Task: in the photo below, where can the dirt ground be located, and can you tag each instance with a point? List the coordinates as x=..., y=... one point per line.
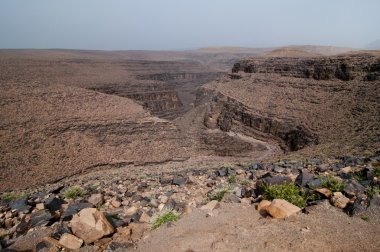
x=235, y=227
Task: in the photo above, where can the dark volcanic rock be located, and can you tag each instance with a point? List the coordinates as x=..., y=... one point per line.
x=256, y=166
x=315, y=183
x=276, y=180
x=353, y=188
x=74, y=208
x=222, y=172
x=40, y=218
x=37, y=219
x=179, y=181
x=20, y=205
x=59, y=230
x=57, y=189
x=304, y=177
x=53, y=203
x=271, y=180
x=117, y=247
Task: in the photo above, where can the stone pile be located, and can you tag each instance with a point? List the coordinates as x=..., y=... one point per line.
x=113, y=214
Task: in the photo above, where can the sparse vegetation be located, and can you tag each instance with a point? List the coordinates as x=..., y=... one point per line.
x=7, y=197
x=232, y=179
x=359, y=176
x=93, y=187
x=365, y=218
x=288, y=192
x=74, y=192
x=332, y=183
x=376, y=171
x=372, y=190
x=142, y=176
x=167, y=217
x=5, y=234
x=218, y=195
x=244, y=182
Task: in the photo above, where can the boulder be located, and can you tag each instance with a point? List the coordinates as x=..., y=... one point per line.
x=40, y=218
x=314, y=183
x=277, y=180
x=73, y=209
x=29, y=241
x=303, y=178
x=90, y=225
x=271, y=180
x=137, y=230
x=179, y=181
x=213, y=204
x=48, y=244
x=346, y=170
x=280, y=209
x=53, y=203
x=20, y=205
x=115, y=203
x=144, y=217
x=60, y=229
x=230, y=198
x=96, y=199
x=40, y=206
x=131, y=211
x=339, y=200
x=222, y=172
x=278, y=169
x=240, y=171
x=324, y=191
x=70, y=241
x=354, y=188
x=262, y=206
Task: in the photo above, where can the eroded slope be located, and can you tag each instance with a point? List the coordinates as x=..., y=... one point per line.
x=330, y=103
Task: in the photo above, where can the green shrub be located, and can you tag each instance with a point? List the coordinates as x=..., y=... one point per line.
x=74, y=192
x=244, y=182
x=7, y=197
x=365, y=218
x=169, y=216
x=218, y=195
x=376, y=171
x=232, y=179
x=360, y=176
x=288, y=192
x=372, y=190
x=332, y=183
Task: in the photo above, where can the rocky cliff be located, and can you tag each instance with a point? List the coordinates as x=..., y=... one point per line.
x=301, y=102
x=360, y=67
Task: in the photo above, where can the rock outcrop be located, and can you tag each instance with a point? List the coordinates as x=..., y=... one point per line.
x=90, y=225
x=346, y=68
x=291, y=136
x=300, y=102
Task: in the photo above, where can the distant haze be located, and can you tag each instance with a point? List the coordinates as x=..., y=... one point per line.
x=186, y=24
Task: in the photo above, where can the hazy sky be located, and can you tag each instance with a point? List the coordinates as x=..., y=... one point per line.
x=186, y=24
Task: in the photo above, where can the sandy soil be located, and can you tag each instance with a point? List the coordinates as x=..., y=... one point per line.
x=241, y=228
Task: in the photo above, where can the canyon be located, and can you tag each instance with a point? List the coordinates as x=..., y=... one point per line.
x=98, y=149
x=67, y=112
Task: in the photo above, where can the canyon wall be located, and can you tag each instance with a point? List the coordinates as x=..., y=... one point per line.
x=320, y=103
x=362, y=67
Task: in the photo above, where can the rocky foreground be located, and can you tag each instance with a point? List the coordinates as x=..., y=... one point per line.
x=113, y=213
